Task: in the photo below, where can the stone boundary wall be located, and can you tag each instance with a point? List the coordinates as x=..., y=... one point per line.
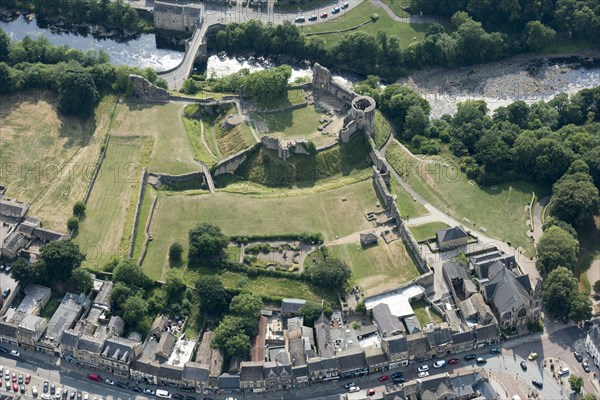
x=172, y=179
x=90, y=187
x=286, y=108
x=303, y=86
x=138, y=209
x=147, y=232
x=352, y=28
x=230, y=164
x=328, y=146
x=376, y=157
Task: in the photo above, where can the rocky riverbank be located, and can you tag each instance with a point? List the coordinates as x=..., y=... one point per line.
x=527, y=77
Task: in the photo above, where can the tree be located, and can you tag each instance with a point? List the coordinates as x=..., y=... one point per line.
x=246, y=305
x=580, y=308
x=556, y=248
x=576, y=383
x=175, y=252
x=206, y=240
x=174, y=286
x=310, y=312
x=212, y=294
x=134, y=310
x=120, y=293
x=538, y=35
x=26, y=273
x=73, y=224
x=417, y=122
x=588, y=396
x=131, y=275
x=597, y=288
x=61, y=257
x=82, y=280
x=230, y=337
x=330, y=273
x=4, y=45
x=558, y=291
x=575, y=198
x=79, y=208
x=77, y=93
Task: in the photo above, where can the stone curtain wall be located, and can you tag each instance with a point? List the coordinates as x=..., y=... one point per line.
x=138, y=209
x=147, y=232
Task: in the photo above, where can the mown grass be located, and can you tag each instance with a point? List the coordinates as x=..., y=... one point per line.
x=383, y=129
x=408, y=207
x=424, y=313
x=379, y=267
x=266, y=168
x=404, y=31
x=144, y=215
x=427, y=231
x=46, y=158
x=499, y=209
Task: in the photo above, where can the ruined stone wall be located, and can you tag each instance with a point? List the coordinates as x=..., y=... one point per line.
x=143, y=89
x=174, y=179
x=231, y=164
x=138, y=209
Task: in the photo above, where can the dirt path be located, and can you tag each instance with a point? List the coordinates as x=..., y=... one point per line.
x=354, y=237
x=204, y=140
x=538, y=217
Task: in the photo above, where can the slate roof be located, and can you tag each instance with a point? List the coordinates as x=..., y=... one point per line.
x=463, y=337
x=439, y=336
x=507, y=293
x=417, y=344
x=171, y=372
x=291, y=306
x=397, y=344
x=14, y=242
x=474, y=308
x=65, y=315
x=229, y=382
x=450, y=234
x=456, y=275
x=365, y=330
x=47, y=235
x=276, y=368
x=486, y=332
x=69, y=339
x=323, y=333
x=375, y=356
x=91, y=343
x=193, y=371
x=251, y=371
x=103, y=296
x=351, y=360
x=166, y=345
x=116, y=325
x=368, y=238
x=7, y=329
x=412, y=324
x=176, y=9
x=387, y=323
x=13, y=209
x=123, y=349
x=300, y=371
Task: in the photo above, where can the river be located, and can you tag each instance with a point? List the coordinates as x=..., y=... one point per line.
x=527, y=77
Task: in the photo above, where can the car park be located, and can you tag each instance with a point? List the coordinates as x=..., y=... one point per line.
x=481, y=360
x=353, y=389
x=423, y=374
x=312, y=18
x=578, y=356
x=469, y=357
x=439, y=364
x=423, y=368
x=532, y=356
x=537, y=383
x=523, y=365
x=495, y=350
x=453, y=361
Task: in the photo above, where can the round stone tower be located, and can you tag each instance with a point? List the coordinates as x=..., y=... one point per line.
x=363, y=112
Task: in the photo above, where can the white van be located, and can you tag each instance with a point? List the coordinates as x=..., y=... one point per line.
x=163, y=394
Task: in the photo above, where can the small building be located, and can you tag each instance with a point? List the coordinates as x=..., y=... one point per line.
x=592, y=344
x=396, y=350
x=368, y=239
x=290, y=307
x=11, y=211
x=323, y=369
x=387, y=324
x=451, y=238
x=117, y=355
x=252, y=377
x=176, y=17
x=376, y=359
x=278, y=376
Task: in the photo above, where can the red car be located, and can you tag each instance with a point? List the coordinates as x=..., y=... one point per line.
x=371, y=392
x=324, y=15
x=15, y=387
x=27, y=379
x=453, y=361
x=14, y=377
x=383, y=378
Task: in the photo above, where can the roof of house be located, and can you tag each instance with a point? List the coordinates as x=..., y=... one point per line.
x=368, y=238
x=172, y=372
x=69, y=338
x=65, y=315
x=366, y=330
x=103, y=296
x=450, y=234
x=291, y=306
x=34, y=295
x=474, y=308
x=276, y=368
x=47, y=234
x=166, y=345
x=14, y=242
x=397, y=344
x=122, y=349
x=507, y=293
x=439, y=336
x=462, y=337
x=8, y=329
x=32, y=323
x=300, y=370
x=412, y=324
x=13, y=209
x=351, y=359
x=486, y=332
x=229, y=382
x=387, y=323
x=251, y=371
x=375, y=355
x=417, y=343
x=323, y=335
x=116, y=325
x=193, y=371
x=176, y=9
x=158, y=325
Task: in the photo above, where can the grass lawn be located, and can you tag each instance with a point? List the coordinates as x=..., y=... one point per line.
x=424, y=313
x=499, y=209
x=383, y=130
x=100, y=233
x=407, y=206
x=377, y=268
x=293, y=124
x=427, y=231
x=404, y=31
x=149, y=196
x=171, y=152
x=396, y=6
x=47, y=159
x=280, y=212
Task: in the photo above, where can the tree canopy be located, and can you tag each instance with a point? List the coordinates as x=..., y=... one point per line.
x=131, y=275
x=575, y=198
x=213, y=297
x=206, y=240
x=576, y=383
x=310, y=312
x=558, y=291
x=557, y=248
x=82, y=280
x=77, y=92
x=230, y=337
x=331, y=273
x=61, y=257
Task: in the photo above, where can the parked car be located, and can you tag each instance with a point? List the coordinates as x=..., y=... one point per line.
x=349, y=385
x=15, y=387
x=78, y=395
x=335, y=10
x=46, y=396
x=3, y=350
x=122, y=385
x=7, y=269
x=45, y=387
x=371, y=392
x=14, y=377
x=178, y=396
x=439, y=364
x=5, y=293
x=27, y=379
x=578, y=356
x=495, y=350
x=423, y=368
x=21, y=379
x=532, y=356
x=324, y=15
x=22, y=388
x=523, y=365
x=7, y=385
x=353, y=389
x=563, y=371
x=537, y=383
x=95, y=377
x=399, y=379
x=423, y=374
x=190, y=398
x=312, y=18
x=149, y=391
x=383, y=378
x=453, y=361
x=52, y=389
x=397, y=375
x=109, y=382
x=72, y=395
x=34, y=391
x=300, y=20
x=481, y=360
x=469, y=357
x=345, y=5
x=7, y=375
x=137, y=389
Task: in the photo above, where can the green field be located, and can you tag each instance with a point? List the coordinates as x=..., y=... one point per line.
x=499, y=209
x=377, y=268
x=427, y=231
x=284, y=211
x=109, y=206
x=47, y=159
x=404, y=31
x=171, y=153
x=407, y=206
x=301, y=123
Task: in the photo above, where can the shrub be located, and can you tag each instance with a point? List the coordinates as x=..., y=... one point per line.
x=79, y=208
x=73, y=224
x=175, y=251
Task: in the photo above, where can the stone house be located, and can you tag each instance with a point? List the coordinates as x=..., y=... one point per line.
x=463, y=341
x=458, y=280
x=451, y=238
x=439, y=341
x=387, y=323
x=367, y=239
x=277, y=376
x=117, y=355
x=252, y=377
x=290, y=307
x=175, y=17
x=376, y=359
x=323, y=369
x=352, y=362
x=418, y=349
x=300, y=375
x=592, y=344
x=396, y=349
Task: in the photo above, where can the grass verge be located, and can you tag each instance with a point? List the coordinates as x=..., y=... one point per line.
x=427, y=231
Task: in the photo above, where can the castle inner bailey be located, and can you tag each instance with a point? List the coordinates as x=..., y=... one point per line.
x=285, y=148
